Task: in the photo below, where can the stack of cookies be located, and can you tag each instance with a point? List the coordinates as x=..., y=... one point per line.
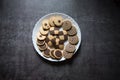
x=57, y=38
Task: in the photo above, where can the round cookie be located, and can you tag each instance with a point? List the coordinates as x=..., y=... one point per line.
x=40, y=42
x=43, y=32
x=46, y=53
x=51, y=54
x=72, y=31
x=67, y=55
x=42, y=47
x=40, y=37
x=51, y=21
x=67, y=25
x=58, y=21
x=73, y=39
x=45, y=24
x=70, y=48
x=58, y=54
x=61, y=46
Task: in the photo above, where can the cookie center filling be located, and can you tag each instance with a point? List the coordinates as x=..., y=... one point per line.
x=45, y=24
x=59, y=21
x=58, y=53
x=47, y=52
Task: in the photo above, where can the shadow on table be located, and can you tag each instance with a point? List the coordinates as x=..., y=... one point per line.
x=69, y=61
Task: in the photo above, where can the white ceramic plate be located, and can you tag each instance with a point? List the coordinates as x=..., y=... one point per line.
x=36, y=30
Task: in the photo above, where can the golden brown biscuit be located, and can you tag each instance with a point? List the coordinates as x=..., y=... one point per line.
x=51, y=54
x=42, y=47
x=43, y=32
x=51, y=21
x=61, y=46
x=58, y=21
x=40, y=42
x=40, y=37
x=45, y=24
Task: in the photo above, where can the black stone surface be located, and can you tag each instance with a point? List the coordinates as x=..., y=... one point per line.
x=97, y=59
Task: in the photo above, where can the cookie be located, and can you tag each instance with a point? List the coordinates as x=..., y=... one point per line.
x=61, y=46
x=63, y=35
x=54, y=31
x=58, y=21
x=73, y=39
x=40, y=37
x=40, y=42
x=72, y=31
x=46, y=53
x=58, y=54
x=51, y=54
x=70, y=48
x=42, y=47
x=48, y=40
x=43, y=32
x=45, y=24
x=66, y=25
x=51, y=21
x=67, y=55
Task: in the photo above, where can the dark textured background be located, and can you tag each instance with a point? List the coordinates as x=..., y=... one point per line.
x=97, y=59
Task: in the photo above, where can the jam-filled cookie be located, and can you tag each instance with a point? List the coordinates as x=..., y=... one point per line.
x=58, y=21
x=46, y=53
x=58, y=54
x=45, y=24
x=51, y=21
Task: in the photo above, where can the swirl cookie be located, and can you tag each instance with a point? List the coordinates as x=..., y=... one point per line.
x=73, y=39
x=70, y=48
x=66, y=25
x=67, y=55
x=72, y=31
